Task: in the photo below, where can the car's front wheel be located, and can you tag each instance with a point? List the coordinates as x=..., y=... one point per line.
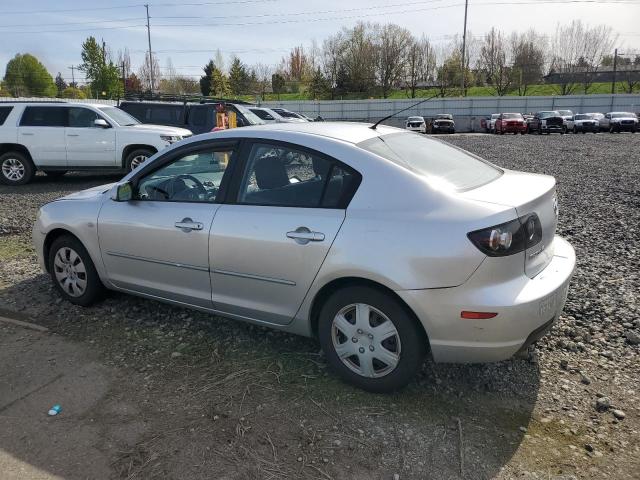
x=16, y=169
x=137, y=158
x=73, y=272
x=370, y=339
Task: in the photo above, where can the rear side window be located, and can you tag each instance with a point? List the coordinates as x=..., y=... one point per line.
x=444, y=165
x=4, y=113
x=165, y=115
x=198, y=116
x=283, y=176
x=44, y=117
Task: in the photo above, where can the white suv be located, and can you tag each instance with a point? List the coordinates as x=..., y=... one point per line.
x=55, y=137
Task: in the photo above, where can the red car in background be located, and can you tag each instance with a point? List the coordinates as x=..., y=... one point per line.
x=511, y=123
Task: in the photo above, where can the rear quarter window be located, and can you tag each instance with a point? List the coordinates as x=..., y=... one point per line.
x=443, y=165
x=4, y=113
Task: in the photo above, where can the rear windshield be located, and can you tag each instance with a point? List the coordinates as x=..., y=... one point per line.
x=4, y=113
x=511, y=115
x=442, y=164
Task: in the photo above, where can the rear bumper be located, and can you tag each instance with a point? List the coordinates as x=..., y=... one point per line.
x=514, y=128
x=526, y=308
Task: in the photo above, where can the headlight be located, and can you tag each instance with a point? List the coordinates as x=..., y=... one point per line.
x=171, y=138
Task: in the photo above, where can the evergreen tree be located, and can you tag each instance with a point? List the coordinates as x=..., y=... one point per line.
x=60, y=84
x=238, y=77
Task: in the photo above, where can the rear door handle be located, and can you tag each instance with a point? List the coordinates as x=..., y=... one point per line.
x=186, y=225
x=73, y=134
x=302, y=236
x=27, y=133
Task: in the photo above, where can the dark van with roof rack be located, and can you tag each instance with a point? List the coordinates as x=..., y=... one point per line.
x=198, y=115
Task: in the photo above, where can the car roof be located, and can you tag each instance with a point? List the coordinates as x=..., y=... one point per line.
x=351, y=132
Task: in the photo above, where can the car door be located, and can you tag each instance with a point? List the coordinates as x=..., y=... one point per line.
x=269, y=242
x=41, y=130
x=89, y=145
x=157, y=243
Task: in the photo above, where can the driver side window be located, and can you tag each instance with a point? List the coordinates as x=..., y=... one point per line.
x=195, y=177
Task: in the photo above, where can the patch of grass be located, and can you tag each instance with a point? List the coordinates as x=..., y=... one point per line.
x=14, y=247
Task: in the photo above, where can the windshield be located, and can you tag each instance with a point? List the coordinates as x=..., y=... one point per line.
x=583, y=116
x=512, y=115
x=444, y=165
x=495, y=116
x=121, y=117
x=286, y=113
x=548, y=114
x=415, y=119
x=565, y=112
x=444, y=116
x=622, y=115
x=252, y=118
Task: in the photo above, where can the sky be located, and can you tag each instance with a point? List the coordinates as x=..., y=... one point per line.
x=189, y=32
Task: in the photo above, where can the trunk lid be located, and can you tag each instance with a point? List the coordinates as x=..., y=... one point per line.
x=528, y=193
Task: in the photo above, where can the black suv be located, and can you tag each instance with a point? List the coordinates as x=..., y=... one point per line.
x=198, y=117
x=546, y=122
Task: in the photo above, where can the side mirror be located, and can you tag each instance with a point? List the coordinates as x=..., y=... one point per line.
x=122, y=192
x=101, y=123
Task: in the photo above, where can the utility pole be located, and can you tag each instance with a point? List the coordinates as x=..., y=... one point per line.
x=615, y=68
x=464, y=47
x=150, y=57
x=73, y=78
x=124, y=80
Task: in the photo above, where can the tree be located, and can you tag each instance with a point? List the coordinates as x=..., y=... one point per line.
x=318, y=86
x=238, y=77
x=133, y=84
x=392, y=44
x=332, y=49
x=26, y=76
x=205, y=80
x=73, y=92
x=263, y=78
x=450, y=75
x=149, y=73
x=277, y=84
x=61, y=85
x=493, y=62
x=420, y=66
x=527, y=51
x=359, y=58
x=102, y=73
x=219, y=85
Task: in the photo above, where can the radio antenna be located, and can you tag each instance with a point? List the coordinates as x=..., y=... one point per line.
x=373, y=127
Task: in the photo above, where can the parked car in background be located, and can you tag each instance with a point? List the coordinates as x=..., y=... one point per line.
x=511, y=123
x=597, y=116
x=416, y=124
x=492, y=122
x=547, y=121
x=616, y=122
x=199, y=117
x=55, y=137
x=484, y=123
x=583, y=122
x=443, y=123
x=284, y=113
x=566, y=116
x=269, y=115
x=314, y=248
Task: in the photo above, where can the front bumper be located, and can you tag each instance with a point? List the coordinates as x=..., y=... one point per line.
x=627, y=127
x=587, y=127
x=523, y=304
x=552, y=128
x=514, y=128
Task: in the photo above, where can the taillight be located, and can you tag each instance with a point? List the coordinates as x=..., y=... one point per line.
x=508, y=238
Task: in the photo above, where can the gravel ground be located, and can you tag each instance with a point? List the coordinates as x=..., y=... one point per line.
x=259, y=404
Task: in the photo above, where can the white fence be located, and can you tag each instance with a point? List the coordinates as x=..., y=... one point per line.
x=467, y=111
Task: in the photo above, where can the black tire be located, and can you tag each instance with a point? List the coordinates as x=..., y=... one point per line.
x=140, y=152
x=412, y=342
x=55, y=173
x=94, y=290
x=575, y=130
x=539, y=130
x=16, y=168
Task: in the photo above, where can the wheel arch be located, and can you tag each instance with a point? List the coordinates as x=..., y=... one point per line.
x=135, y=146
x=323, y=294
x=15, y=147
x=50, y=238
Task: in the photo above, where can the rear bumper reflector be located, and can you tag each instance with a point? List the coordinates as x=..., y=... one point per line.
x=477, y=315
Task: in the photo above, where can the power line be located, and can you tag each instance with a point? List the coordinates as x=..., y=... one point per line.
x=71, y=23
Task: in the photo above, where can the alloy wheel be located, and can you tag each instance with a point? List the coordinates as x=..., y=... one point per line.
x=70, y=271
x=366, y=340
x=13, y=169
x=137, y=161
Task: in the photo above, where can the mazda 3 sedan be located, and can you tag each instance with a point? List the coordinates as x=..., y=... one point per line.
x=382, y=243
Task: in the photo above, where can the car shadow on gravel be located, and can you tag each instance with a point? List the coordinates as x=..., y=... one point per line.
x=182, y=394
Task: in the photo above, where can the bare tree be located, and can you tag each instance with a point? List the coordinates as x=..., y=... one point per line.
x=392, y=45
x=598, y=41
x=359, y=58
x=124, y=59
x=420, y=65
x=493, y=62
x=332, y=49
x=144, y=73
x=219, y=61
x=527, y=52
x=263, y=77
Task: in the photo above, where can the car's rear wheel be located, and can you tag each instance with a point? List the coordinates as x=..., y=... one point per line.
x=137, y=158
x=370, y=340
x=16, y=169
x=73, y=272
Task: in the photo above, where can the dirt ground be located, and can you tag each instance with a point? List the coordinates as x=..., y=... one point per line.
x=154, y=391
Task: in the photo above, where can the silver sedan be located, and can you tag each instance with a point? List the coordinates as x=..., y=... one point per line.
x=383, y=244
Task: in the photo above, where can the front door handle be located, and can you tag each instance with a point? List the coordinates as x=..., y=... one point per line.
x=73, y=134
x=186, y=225
x=302, y=236
x=27, y=133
